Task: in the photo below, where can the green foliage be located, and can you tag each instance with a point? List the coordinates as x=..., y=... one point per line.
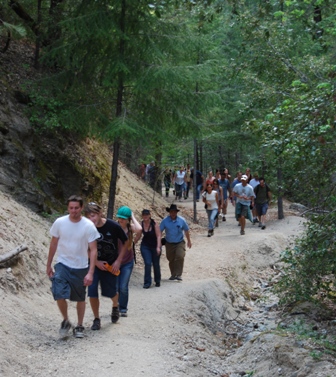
x=325, y=343
x=16, y=30
x=45, y=112
x=311, y=263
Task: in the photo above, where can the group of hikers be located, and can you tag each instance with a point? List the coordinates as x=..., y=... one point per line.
x=249, y=194
x=93, y=251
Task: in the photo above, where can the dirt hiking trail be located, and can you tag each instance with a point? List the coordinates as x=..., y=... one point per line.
x=220, y=321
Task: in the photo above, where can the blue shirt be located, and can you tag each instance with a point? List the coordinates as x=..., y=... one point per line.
x=174, y=228
x=225, y=185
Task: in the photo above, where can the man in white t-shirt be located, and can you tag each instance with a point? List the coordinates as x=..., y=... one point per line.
x=74, y=238
x=245, y=196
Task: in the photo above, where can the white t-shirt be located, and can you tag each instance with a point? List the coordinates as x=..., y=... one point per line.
x=211, y=198
x=179, y=179
x=73, y=240
x=254, y=183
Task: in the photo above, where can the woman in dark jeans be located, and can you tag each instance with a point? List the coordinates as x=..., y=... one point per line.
x=150, y=249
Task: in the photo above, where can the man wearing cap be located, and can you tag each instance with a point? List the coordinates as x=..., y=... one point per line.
x=174, y=226
x=244, y=194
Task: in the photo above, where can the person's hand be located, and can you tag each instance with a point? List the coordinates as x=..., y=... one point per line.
x=101, y=265
x=116, y=267
x=50, y=271
x=189, y=244
x=88, y=279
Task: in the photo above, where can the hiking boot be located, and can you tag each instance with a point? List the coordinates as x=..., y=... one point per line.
x=179, y=278
x=242, y=232
x=172, y=278
x=115, y=314
x=146, y=286
x=78, y=331
x=263, y=226
x=158, y=284
x=96, y=324
x=223, y=218
x=65, y=327
x=209, y=233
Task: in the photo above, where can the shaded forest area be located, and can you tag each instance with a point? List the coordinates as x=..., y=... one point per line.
x=211, y=83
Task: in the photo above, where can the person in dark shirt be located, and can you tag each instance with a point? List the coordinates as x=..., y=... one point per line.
x=199, y=182
x=108, y=262
x=262, y=196
x=150, y=248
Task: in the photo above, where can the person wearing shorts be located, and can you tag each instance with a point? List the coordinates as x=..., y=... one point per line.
x=74, y=240
x=109, y=258
x=245, y=197
x=263, y=195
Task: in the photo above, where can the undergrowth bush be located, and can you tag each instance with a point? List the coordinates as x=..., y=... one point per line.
x=310, y=264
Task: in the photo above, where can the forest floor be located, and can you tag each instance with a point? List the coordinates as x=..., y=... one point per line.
x=222, y=320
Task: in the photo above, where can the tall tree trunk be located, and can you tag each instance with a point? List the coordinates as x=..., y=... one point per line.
x=280, y=185
x=21, y=12
x=114, y=178
x=197, y=166
x=201, y=156
x=38, y=35
x=56, y=14
x=158, y=168
x=194, y=180
x=119, y=103
x=317, y=20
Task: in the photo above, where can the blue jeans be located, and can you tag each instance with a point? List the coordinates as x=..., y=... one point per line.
x=212, y=213
x=150, y=257
x=178, y=190
x=123, y=281
x=198, y=191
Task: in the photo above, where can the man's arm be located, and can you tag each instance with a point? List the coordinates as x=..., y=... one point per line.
x=187, y=234
x=116, y=264
x=52, y=252
x=158, y=239
x=136, y=226
x=137, y=237
x=93, y=258
x=229, y=189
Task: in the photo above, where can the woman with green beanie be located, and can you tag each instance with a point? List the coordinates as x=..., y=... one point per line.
x=131, y=227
